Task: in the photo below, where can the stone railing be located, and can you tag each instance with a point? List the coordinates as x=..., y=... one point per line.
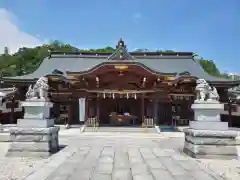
x=92, y=122
x=148, y=122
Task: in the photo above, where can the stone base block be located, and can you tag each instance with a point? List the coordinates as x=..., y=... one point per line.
x=38, y=123
x=4, y=137
x=209, y=156
x=211, y=133
x=211, y=144
x=36, y=109
x=208, y=125
x=211, y=141
x=37, y=142
x=207, y=111
x=28, y=154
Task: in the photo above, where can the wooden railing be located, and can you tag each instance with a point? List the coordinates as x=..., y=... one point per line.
x=92, y=122
x=182, y=122
x=177, y=121
x=148, y=122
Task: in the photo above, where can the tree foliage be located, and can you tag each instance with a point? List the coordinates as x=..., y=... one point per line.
x=210, y=67
x=27, y=60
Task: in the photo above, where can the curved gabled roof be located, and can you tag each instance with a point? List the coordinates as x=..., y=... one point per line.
x=160, y=62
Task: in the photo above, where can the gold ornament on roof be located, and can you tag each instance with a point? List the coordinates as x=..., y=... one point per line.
x=121, y=67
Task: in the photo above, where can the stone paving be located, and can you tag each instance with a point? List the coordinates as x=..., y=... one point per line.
x=118, y=156
x=122, y=157
x=126, y=164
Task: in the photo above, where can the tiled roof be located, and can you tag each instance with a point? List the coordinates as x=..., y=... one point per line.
x=157, y=64
x=169, y=62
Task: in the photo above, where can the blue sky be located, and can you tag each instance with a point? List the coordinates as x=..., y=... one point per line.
x=209, y=27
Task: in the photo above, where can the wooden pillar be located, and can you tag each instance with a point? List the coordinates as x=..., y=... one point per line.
x=54, y=111
x=155, y=112
x=76, y=111
x=98, y=109
x=57, y=110
x=230, y=112
x=1, y=119
x=86, y=109
x=12, y=105
x=12, y=114
x=142, y=108
x=173, y=113
x=70, y=115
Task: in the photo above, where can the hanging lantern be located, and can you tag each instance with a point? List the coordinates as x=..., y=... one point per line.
x=127, y=96
x=113, y=96
x=135, y=96
x=104, y=95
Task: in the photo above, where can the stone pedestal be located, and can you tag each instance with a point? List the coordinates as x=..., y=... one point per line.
x=211, y=144
x=208, y=137
x=35, y=134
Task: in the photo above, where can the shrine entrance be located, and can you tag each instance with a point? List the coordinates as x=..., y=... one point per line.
x=135, y=110
x=120, y=112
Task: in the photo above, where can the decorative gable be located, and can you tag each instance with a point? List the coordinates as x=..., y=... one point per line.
x=121, y=52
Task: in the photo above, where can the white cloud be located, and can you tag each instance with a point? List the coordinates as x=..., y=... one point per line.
x=11, y=36
x=137, y=15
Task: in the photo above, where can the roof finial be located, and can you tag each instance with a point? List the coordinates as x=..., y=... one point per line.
x=120, y=43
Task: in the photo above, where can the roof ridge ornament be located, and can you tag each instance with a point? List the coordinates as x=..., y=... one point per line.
x=120, y=44
x=121, y=52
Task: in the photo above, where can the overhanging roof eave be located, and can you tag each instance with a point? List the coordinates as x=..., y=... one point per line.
x=121, y=63
x=17, y=80
x=226, y=82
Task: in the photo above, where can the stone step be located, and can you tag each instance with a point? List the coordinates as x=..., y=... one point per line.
x=90, y=129
x=168, y=129
x=121, y=129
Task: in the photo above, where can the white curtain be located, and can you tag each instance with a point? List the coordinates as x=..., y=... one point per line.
x=81, y=109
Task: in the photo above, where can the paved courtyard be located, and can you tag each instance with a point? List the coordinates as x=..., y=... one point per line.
x=122, y=156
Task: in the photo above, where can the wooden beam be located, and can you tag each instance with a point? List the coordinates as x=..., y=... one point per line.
x=180, y=94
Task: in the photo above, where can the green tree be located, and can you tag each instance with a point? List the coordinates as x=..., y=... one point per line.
x=210, y=67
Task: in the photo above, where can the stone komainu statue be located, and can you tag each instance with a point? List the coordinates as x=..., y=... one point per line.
x=39, y=90
x=206, y=92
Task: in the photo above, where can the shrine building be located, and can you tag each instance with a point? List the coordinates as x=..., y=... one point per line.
x=119, y=88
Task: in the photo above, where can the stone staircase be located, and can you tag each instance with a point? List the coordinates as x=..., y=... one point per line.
x=4, y=132
x=121, y=129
